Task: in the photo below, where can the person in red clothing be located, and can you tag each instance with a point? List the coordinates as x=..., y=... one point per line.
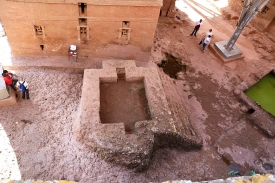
x=9, y=80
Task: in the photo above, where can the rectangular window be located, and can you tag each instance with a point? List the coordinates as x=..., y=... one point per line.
x=124, y=31
x=39, y=30
x=126, y=24
x=83, y=32
x=82, y=9
x=82, y=21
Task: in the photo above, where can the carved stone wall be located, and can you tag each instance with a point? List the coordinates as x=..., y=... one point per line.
x=168, y=8
x=49, y=27
x=110, y=141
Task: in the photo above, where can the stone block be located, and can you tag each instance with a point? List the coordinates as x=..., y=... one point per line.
x=221, y=57
x=10, y=100
x=171, y=14
x=110, y=141
x=163, y=13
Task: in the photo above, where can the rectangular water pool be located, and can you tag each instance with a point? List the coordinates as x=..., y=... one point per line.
x=263, y=93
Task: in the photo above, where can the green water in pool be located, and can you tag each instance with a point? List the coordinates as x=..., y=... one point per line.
x=263, y=93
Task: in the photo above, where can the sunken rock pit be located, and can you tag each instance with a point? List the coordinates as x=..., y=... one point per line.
x=110, y=141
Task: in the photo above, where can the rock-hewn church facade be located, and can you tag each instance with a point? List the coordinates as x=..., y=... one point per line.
x=49, y=27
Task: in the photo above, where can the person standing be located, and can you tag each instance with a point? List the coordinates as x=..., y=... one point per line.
x=24, y=88
x=207, y=34
x=197, y=27
x=9, y=79
x=206, y=41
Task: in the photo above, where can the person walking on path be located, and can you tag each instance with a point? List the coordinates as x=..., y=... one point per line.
x=24, y=88
x=197, y=27
x=206, y=41
x=207, y=34
x=9, y=79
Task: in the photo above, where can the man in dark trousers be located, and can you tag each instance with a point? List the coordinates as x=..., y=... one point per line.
x=206, y=42
x=197, y=27
x=24, y=88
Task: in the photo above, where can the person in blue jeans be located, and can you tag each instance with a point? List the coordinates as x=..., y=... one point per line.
x=206, y=41
x=24, y=88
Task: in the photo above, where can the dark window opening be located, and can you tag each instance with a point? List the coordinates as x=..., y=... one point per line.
x=126, y=24
x=82, y=21
x=83, y=30
x=82, y=8
x=42, y=47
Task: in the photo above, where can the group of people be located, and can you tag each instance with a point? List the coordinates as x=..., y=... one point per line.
x=206, y=39
x=16, y=84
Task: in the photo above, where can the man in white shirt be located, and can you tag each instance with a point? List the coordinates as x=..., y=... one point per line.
x=197, y=27
x=206, y=42
x=206, y=35
x=24, y=88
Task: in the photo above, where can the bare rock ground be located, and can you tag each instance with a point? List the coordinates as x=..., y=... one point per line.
x=46, y=149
